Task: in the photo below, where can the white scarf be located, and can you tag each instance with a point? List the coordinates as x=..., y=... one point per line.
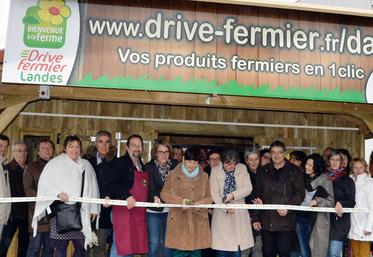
x=62, y=174
x=4, y=192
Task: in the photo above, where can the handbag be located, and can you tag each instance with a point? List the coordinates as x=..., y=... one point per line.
x=68, y=215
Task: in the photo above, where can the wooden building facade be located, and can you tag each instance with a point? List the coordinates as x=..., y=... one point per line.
x=221, y=112
x=203, y=117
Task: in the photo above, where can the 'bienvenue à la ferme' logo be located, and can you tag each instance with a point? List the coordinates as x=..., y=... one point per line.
x=45, y=24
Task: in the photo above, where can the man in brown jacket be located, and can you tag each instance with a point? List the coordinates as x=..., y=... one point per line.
x=45, y=148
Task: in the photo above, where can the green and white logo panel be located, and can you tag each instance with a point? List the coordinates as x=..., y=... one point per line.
x=42, y=41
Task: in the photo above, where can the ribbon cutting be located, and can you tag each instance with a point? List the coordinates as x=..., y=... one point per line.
x=166, y=205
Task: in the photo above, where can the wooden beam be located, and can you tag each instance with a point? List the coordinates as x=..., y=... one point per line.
x=8, y=115
x=204, y=129
x=187, y=99
x=366, y=118
x=10, y=100
x=363, y=128
x=361, y=111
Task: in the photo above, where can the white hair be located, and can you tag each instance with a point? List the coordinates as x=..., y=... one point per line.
x=20, y=142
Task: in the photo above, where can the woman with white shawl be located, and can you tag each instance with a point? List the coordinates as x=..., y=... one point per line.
x=62, y=177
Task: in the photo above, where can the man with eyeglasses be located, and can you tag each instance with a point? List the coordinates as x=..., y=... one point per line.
x=213, y=160
x=101, y=157
x=129, y=182
x=18, y=218
x=279, y=182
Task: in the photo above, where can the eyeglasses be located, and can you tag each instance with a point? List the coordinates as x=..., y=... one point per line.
x=135, y=146
x=20, y=151
x=334, y=160
x=163, y=152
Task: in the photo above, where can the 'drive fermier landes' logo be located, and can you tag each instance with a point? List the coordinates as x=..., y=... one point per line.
x=35, y=65
x=44, y=27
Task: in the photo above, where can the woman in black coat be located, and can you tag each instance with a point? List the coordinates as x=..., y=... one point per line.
x=344, y=196
x=158, y=169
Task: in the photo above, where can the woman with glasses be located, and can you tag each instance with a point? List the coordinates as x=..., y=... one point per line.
x=231, y=228
x=158, y=169
x=188, y=229
x=344, y=196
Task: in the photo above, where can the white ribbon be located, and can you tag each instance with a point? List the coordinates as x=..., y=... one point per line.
x=167, y=205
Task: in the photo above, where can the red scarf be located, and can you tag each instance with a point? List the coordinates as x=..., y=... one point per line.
x=335, y=174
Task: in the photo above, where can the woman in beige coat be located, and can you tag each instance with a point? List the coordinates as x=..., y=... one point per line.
x=188, y=229
x=231, y=229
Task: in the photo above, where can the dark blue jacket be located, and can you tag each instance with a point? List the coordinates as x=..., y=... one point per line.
x=155, y=181
x=103, y=171
x=344, y=192
x=18, y=210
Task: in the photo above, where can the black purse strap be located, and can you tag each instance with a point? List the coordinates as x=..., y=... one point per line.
x=83, y=177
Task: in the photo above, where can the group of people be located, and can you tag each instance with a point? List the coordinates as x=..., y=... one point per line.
x=190, y=177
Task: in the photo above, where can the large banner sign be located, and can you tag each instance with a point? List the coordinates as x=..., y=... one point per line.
x=184, y=46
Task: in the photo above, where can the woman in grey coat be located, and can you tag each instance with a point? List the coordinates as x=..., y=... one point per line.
x=323, y=197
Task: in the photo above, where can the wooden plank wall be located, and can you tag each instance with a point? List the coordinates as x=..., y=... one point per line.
x=149, y=130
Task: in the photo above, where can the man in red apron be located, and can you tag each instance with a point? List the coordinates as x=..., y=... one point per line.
x=129, y=182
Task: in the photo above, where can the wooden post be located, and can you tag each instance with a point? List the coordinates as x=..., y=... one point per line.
x=362, y=144
x=8, y=115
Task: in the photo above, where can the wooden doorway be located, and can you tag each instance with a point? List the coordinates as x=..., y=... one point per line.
x=209, y=142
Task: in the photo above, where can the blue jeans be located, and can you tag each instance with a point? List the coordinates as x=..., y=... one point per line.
x=157, y=224
x=303, y=229
x=41, y=242
x=228, y=254
x=335, y=248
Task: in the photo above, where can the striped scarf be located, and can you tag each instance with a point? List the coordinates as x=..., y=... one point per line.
x=335, y=174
